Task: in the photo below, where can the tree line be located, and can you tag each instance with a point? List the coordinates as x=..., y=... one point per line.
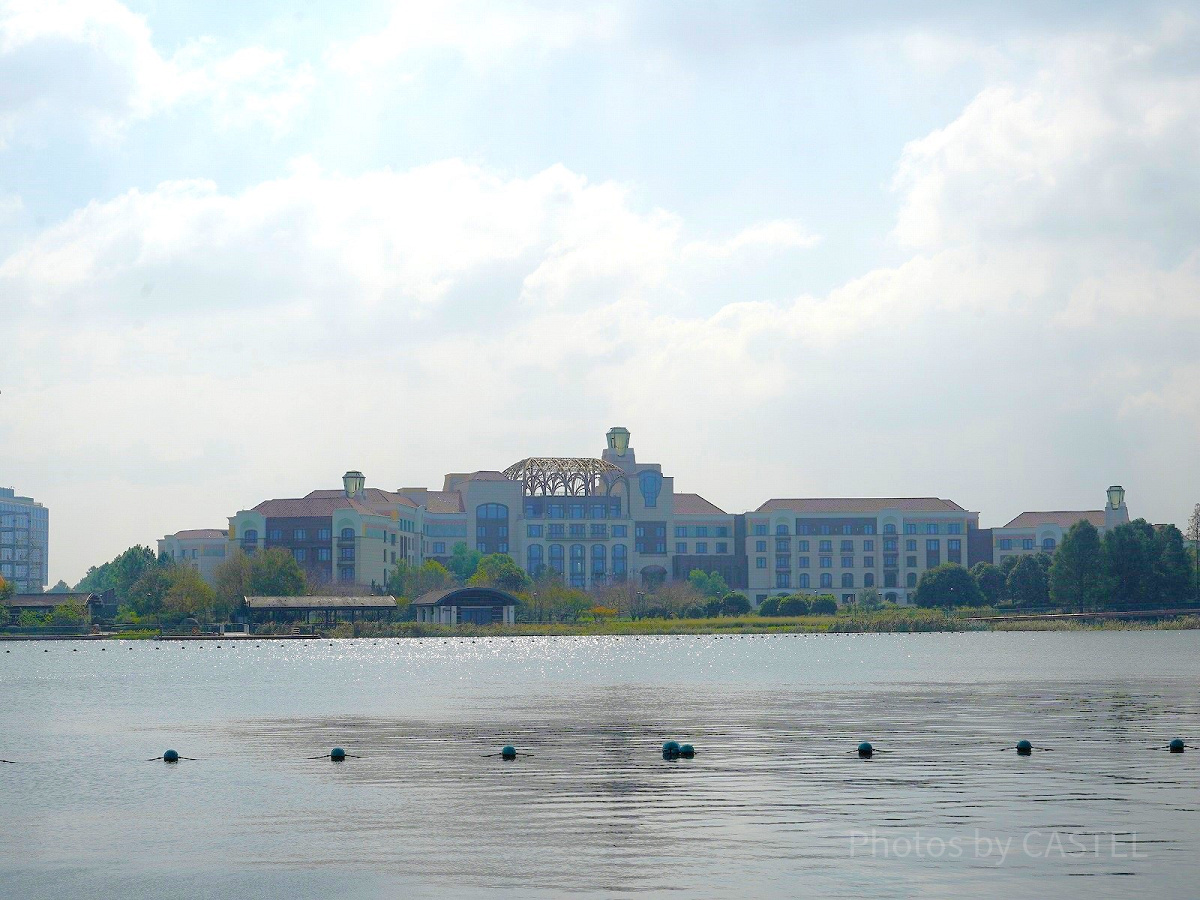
x=1135, y=565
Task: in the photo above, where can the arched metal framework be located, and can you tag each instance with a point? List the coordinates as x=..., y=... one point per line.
x=553, y=476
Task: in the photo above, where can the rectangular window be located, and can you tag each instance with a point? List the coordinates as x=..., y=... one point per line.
x=346, y=553
x=824, y=529
x=910, y=561
x=933, y=544
x=954, y=544
x=826, y=547
x=275, y=534
x=802, y=546
x=868, y=562
x=680, y=547
x=804, y=562
x=760, y=562
x=1027, y=543
x=481, y=547
x=1005, y=543
x=439, y=548
x=577, y=531
x=890, y=560
x=826, y=562
x=847, y=546
x=324, y=534
x=869, y=528
x=346, y=573
x=323, y=554
x=846, y=529
x=802, y=529
x=782, y=545
x=760, y=527
x=555, y=511
x=890, y=544
x=701, y=531
x=620, y=531
x=300, y=554
x=680, y=531
x=701, y=546
x=300, y=535
x=481, y=531
x=760, y=546
x=847, y=562
x=575, y=510
x=910, y=528
x=783, y=562
x=598, y=530
x=783, y=579
x=954, y=528
x=910, y=546
x=722, y=531
x=722, y=547
x=533, y=530
x=558, y=530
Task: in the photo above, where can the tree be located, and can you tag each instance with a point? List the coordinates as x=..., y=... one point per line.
x=119, y=574
x=463, y=561
x=735, y=604
x=188, y=595
x=709, y=584
x=869, y=598
x=990, y=580
x=6, y=592
x=1077, y=573
x=1007, y=564
x=499, y=571
x=70, y=613
x=948, y=585
x=147, y=595
x=60, y=588
x=411, y=582
x=794, y=605
x=1193, y=536
x=823, y=605
x=275, y=573
x=769, y=607
x=1170, y=570
x=231, y=579
x=1028, y=584
x=1129, y=554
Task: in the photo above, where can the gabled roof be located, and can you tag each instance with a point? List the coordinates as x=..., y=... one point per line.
x=695, y=505
x=196, y=534
x=52, y=599
x=860, y=505
x=372, y=602
x=1062, y=518
x=371, y=496
x=311, y=507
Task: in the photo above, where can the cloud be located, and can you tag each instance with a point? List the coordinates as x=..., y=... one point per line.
x=95, y=61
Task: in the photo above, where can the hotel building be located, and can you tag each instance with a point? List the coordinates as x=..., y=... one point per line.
x=24, y=542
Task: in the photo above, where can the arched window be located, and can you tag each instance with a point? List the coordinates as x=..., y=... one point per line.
x=889, y=529
x=1048, y=545
x=869, y=580
x=491, y=511
x=347, y=534
x=847, y=580
x=250, y=535
x=910, y=580
x=598, y=559
x=578, y=555
x=826, y=579
x=556, y=558
x=620, y=560
x=803, y=579
x=781, y=529
x=535, y=561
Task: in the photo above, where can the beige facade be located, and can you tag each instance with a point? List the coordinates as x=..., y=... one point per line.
x=1043, y=531
x=201, y=548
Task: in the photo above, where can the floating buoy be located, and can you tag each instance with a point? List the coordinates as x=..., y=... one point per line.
x=337, y=754
x=170, y=756
x=865, y=750
x=508, y=751
x=670, y=747
x=1176, y=746
x=687, y=751
x=1024, y=748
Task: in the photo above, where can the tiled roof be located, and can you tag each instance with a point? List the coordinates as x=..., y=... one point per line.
x=373, y=601
x=376, y=497
x=311, y=507
x=695, y=505
x=444, y=502
x=194, y=534
x=860, y=505
x=1062, y=518
x=50, y=599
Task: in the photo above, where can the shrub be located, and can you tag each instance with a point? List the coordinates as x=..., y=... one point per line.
x=823, y=606
x=794, y=606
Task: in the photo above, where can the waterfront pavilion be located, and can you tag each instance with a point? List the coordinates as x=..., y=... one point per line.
x=319, y=610
x=472, y=605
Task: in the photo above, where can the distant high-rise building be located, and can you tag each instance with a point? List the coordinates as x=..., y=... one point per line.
x=24, y=541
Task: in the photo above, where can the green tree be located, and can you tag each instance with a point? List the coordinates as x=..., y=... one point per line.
x=231, y=579
x=119, y=574
x=869, y=598
x=275, y=573
x=411, y=582
x=1171, y=569
x=6, y=592
x=709, y=584
x=1028, y=583
x=60, y=588
x=823, y=605
x=146, y=595
x=734, y=604
x=1129, y=555
x=71, y=613
x=499, y=571
x=769, y=607
x=188, y=595
x=794, y=605
x=1193, y=538
x=463, y=561
x=1007, y=564
x=948, y=585
x=1077, y=573
x=990, y=580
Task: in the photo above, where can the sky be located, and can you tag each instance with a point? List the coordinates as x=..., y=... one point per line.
x=817, y=249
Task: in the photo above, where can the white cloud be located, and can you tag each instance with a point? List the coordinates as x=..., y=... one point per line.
x=95, y=60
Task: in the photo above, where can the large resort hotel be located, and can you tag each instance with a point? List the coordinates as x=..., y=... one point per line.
x=606, y=520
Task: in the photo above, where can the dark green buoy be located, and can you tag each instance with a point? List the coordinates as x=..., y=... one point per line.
x=1176, y=745
x=687, y=751
x=865, y=750
x=1024, y=748
x=671, y=747
x=508, y=751
x=337, y=754
x=170, y=756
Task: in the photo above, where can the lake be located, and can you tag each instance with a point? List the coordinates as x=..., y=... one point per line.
x=775, y=803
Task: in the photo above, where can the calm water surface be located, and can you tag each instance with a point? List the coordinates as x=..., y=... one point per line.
x=773, y=805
